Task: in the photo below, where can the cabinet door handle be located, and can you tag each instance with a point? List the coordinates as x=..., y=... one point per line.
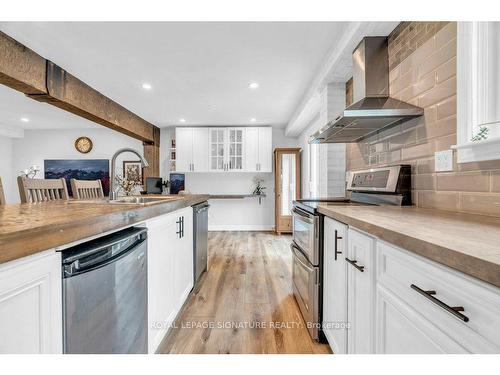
x=453, y=310
x=179, y=231
x=193, y=167
x=337, y=237
x=354, y=263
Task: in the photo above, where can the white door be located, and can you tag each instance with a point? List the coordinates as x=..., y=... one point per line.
x=235, y=152
x=184, y=266
x=161, y=266
x=360, y=292
x=265, y=150
x=217, y=149
x=184, y=149
x=31, y=305
x=252, y=149
x=200, y=150
x=335, y=286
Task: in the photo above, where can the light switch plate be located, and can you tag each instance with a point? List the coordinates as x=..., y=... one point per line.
x=443, y=161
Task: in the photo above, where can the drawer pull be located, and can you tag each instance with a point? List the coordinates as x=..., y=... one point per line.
x=337, y=238
x=354, y=263
x=429, y=294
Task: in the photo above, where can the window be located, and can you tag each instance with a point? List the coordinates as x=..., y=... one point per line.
x=478, y=91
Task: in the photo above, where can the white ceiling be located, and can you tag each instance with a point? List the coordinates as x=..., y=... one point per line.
x=199, y=71
x=15, y=105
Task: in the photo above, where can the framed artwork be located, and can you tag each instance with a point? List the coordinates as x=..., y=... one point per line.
x=132, y=171
x=176, y=183
x=80, y=169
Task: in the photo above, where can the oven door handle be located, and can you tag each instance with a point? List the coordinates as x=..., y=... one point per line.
x=306, y=216
x=298, y=256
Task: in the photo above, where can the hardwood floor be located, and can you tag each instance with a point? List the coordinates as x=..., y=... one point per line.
x=244, y=303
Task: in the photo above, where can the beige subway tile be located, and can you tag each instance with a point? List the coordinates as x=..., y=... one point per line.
x=424, y=182
x=445, y=142
x=485, y=204
x=439, y=128
x=418, y=151
x=438, y=58
x=495, y=181
x=438, y=200
x=479, y=166
x=394, y=73
x=447, y=108
x=425, y=166
x=438, y=93
x=468, y=181
x=447, y=70
x=446, y=34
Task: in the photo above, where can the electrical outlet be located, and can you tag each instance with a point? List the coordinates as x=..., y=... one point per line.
x=443, y=161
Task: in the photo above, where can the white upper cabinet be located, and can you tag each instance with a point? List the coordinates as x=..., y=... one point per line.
x=224, y=149
x=191, y=149
x=478, y=91
x=258, y=149
x=31, y=305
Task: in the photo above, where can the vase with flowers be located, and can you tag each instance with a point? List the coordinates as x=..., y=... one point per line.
x=126, y=185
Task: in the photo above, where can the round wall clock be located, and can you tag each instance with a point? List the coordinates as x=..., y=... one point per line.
x=83, y=145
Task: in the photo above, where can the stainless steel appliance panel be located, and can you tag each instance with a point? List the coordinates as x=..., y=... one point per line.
x=306, y=234
x=105, y=307
x=306, y=289
x=200, y=239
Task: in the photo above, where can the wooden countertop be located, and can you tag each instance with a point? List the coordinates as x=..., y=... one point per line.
x=468, y=243
x=26, y=229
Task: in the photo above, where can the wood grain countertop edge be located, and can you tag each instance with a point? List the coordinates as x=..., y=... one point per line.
x=468, y=264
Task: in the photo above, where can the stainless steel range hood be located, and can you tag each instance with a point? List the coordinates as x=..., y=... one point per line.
x=373, y=110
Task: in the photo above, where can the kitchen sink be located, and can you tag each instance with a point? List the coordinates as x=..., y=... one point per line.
x=140, y=201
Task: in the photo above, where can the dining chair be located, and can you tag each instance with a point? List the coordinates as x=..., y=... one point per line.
x=34, y=190
x=84, y=189
x=2, y=195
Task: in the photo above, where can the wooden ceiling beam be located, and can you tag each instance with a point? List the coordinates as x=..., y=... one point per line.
x=24, y=70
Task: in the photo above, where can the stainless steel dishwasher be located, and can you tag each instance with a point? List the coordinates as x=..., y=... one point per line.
x=200, y=239
x=105, y=297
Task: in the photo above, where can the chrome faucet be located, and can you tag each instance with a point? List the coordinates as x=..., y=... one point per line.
x=112, y=189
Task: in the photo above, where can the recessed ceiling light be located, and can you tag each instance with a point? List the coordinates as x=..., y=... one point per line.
x=253, y=85
x=253, y=120
x=182, y=120
x=147, y=86
x=25, y=119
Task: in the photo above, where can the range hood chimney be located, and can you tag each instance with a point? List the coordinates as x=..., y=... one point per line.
x=373, y=110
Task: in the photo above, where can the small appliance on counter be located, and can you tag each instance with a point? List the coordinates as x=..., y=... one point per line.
x=381, y=186
x=154, y=185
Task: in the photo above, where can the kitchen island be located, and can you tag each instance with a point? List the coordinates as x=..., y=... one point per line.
x=33, y=237
x=27, y=229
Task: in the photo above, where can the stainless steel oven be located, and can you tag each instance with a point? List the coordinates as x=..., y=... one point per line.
x=306, y=234
x=306, y=288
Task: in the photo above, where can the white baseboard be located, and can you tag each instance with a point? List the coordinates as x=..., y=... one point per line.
x=243, y=227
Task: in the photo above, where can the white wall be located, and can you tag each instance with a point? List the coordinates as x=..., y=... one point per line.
x=232, y=214
x=38, y=145
x=331, y=160
x=6, y=171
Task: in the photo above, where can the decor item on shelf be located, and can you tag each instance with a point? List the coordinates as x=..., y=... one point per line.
x=177, y=181
x=84, y=145
x=481, y=134
x=172, y=155
x=173, y=143
x=132, y=171
x=127, y=186
x=259, y=189
x=79, y=169
x=31, y=172
x=166, y=187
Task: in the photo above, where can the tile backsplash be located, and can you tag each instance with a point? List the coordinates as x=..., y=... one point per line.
x=422, y=57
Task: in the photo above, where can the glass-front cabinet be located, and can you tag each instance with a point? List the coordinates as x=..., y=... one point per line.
x=226, y=149
x=217, y=149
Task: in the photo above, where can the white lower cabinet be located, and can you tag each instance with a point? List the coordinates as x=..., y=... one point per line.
x=170, y=270
x=335, y=286
x=360, y=292
x=399, y=302
x=31, y=305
